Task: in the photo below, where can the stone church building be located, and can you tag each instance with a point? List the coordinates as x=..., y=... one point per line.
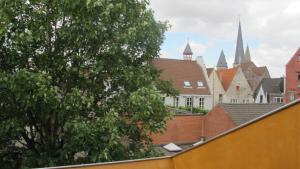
x=242, y=80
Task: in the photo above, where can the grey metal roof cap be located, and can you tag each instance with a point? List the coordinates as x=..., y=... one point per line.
x=222, y=61
x=188, y=50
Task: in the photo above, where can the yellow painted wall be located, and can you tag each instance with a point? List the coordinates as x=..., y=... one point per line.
x=270, y=143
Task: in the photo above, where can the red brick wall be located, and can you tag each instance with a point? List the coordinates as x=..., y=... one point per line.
x=181, y=129
x=216, y=122
x=190, y=128
x=292, y=82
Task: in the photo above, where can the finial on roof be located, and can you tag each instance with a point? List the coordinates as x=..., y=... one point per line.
x=247, y=57
x=222, y=63
x=187, y=53
x=239, y=51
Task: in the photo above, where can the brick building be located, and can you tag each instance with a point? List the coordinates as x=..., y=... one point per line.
x=292, y=90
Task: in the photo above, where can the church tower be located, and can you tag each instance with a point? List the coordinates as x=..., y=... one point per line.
x=187, y=53
x=222, y=63
x=239, y=51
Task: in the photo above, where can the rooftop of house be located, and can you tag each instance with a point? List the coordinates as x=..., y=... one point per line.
x=187, y=76
x=226, y=76
x=272, y=85
x=254, y=74
x=242, y=113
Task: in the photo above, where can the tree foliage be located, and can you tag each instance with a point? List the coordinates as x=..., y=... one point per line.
x=76, y=82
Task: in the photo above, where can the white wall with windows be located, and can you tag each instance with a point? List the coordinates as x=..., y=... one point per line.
x=197, y=101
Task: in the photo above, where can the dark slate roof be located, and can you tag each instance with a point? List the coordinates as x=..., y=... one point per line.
x=187, y=50
x=239, y=51
x=222, y=63
x=272, y=85
x=242, y=113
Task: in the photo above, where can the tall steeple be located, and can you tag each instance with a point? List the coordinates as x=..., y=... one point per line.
x=222, y=63
x=247, y=57
x=187, y=53
x=239, y=51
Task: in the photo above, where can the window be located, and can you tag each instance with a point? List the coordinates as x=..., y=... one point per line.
x=187, y=84
x=237, y=88
x=220, y=98
x=188, y=102
x=292, y=96
x=201, y=102
x=233, y=100
x=261, y=98
x=298, y=76
x=299, y=58
x=200, y=84
x=278, y=99
x=164, y=99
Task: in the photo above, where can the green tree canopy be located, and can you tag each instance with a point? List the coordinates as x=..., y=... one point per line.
x=76, y=81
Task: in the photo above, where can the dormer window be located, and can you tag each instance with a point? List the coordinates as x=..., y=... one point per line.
x=200, y=84
x=187, y=84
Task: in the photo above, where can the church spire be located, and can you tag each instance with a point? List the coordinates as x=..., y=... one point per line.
x=222, y=63
x=247, y=57
x=187, y=53
x=239, y=51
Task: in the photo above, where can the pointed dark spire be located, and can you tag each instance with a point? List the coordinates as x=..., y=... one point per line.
x=239, y=51
x=187, y=53
x=222, y=63
x=187, y=50
x=247, y=57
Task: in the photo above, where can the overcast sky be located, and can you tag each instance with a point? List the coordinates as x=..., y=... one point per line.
x=270, y=27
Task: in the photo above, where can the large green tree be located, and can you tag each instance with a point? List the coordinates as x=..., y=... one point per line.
x=76, y=82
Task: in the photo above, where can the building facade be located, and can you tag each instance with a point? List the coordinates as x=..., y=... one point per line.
x=235, y=85
x=270, y=90
x=189, y=77
x=292, y=89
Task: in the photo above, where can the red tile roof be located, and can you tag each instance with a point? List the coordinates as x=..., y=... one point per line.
x=178, y=71
x=226, y=76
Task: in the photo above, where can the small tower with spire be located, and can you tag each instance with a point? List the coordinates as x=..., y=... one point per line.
x=239, y=51
x=222, y=63
x=187, y=53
